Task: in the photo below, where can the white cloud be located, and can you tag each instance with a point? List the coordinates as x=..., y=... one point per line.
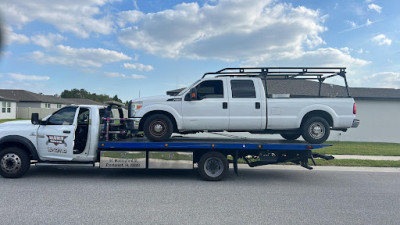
x=355, y=26
x=79, y=17
x=82, y=57
x=115, y=75
x=137, y=76
x=381, y=39
x=47, y=40
x=138, y=66
x=351, y=23
x=375, y=7
x=22, y=77
x=228, y=30
x=11, y=37
x=320, y=57
x=384, y=79
x=369, y=22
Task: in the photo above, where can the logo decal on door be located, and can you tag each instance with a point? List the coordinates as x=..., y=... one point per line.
x=56, y=140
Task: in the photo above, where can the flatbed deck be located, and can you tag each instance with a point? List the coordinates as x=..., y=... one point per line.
x=182, y=143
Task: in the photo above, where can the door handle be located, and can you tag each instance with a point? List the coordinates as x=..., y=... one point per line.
x=258, y=106
x=66, y=132
x=224, y=105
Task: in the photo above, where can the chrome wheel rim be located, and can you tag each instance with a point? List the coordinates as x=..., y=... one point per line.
x=158, y=128
x=213, y=167
x=10, y=163
x=316, y=130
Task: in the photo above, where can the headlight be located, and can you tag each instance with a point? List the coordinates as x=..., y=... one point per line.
x=135, y=106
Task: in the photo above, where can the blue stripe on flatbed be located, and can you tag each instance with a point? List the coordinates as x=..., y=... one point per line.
x=209, y=145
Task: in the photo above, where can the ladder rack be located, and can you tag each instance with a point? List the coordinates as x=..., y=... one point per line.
x=319, y=74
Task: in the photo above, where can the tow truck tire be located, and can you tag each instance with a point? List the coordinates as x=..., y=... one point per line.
x=157, y=127
x=291, y=136
x=14, y=162
x=213, y=166
x=315, y=130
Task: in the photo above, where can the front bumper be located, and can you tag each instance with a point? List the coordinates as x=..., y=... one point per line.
x=355, y=124
x=136, y=122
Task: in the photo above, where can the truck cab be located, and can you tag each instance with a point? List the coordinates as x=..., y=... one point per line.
x=69, y=134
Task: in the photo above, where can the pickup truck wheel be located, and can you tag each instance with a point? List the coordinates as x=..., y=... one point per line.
x=157, y=128
x=213, y=166
x=315, y=130
x=14, y=162
x=290, y=137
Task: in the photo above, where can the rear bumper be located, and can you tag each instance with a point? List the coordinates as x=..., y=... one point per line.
x=355, y=124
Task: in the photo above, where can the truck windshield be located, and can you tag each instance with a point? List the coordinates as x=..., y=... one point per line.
x=184, y=90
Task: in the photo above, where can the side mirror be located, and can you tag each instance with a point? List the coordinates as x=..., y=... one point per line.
x=35, y=118
x=192, y=95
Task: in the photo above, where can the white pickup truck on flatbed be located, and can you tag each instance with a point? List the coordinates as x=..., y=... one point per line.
x=236, y=100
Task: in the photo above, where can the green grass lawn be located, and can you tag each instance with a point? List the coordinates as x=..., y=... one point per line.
x=361, y=148
x=356, y=163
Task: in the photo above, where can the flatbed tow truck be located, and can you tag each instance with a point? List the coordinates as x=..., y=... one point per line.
x=94, y=136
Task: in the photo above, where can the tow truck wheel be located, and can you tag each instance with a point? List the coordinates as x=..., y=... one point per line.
x=213, y=166
x=315, y=130
x=290, y=136
x=157, y=127
x=14, y=162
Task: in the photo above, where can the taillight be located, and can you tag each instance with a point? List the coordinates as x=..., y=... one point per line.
x=354, y=108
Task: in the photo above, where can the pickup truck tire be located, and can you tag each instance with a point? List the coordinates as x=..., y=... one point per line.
x=213, y=166
x=14, y=162
x=291, y=137
x=315, y=130
x=157, y=127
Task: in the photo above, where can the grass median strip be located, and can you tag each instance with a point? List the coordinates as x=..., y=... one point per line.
x=361, y=148
x=356, y=163
x=345, y=162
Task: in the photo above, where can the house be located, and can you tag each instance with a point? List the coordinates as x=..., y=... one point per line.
x=26, y=102
x=8, y=108
x=377, y=108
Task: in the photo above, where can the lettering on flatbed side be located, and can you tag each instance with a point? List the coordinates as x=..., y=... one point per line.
x=123, y=163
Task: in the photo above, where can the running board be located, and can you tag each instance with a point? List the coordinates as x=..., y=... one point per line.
x=65, y=164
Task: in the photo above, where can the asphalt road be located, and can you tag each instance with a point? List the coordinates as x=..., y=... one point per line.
x=49, y=195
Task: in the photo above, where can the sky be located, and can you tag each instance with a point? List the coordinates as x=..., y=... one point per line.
x=146, y=47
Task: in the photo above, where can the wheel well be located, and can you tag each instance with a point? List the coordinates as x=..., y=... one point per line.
x=319, y=113
x=17, y=145
x=169, y=115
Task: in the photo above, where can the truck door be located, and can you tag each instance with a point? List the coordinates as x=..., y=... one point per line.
x=245, y=105
x=209, y=111
x=56, y=136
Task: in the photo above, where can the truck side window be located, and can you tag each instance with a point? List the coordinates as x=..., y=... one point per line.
x=63, y=116
x=83, y=116
x=210, y=89
x=243, y=89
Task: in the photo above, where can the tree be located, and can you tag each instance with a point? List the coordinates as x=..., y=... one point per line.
x=82, y=93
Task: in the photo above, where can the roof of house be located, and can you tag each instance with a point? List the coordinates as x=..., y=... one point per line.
x=27, y=96
x=6, y=99
x=310, y=88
